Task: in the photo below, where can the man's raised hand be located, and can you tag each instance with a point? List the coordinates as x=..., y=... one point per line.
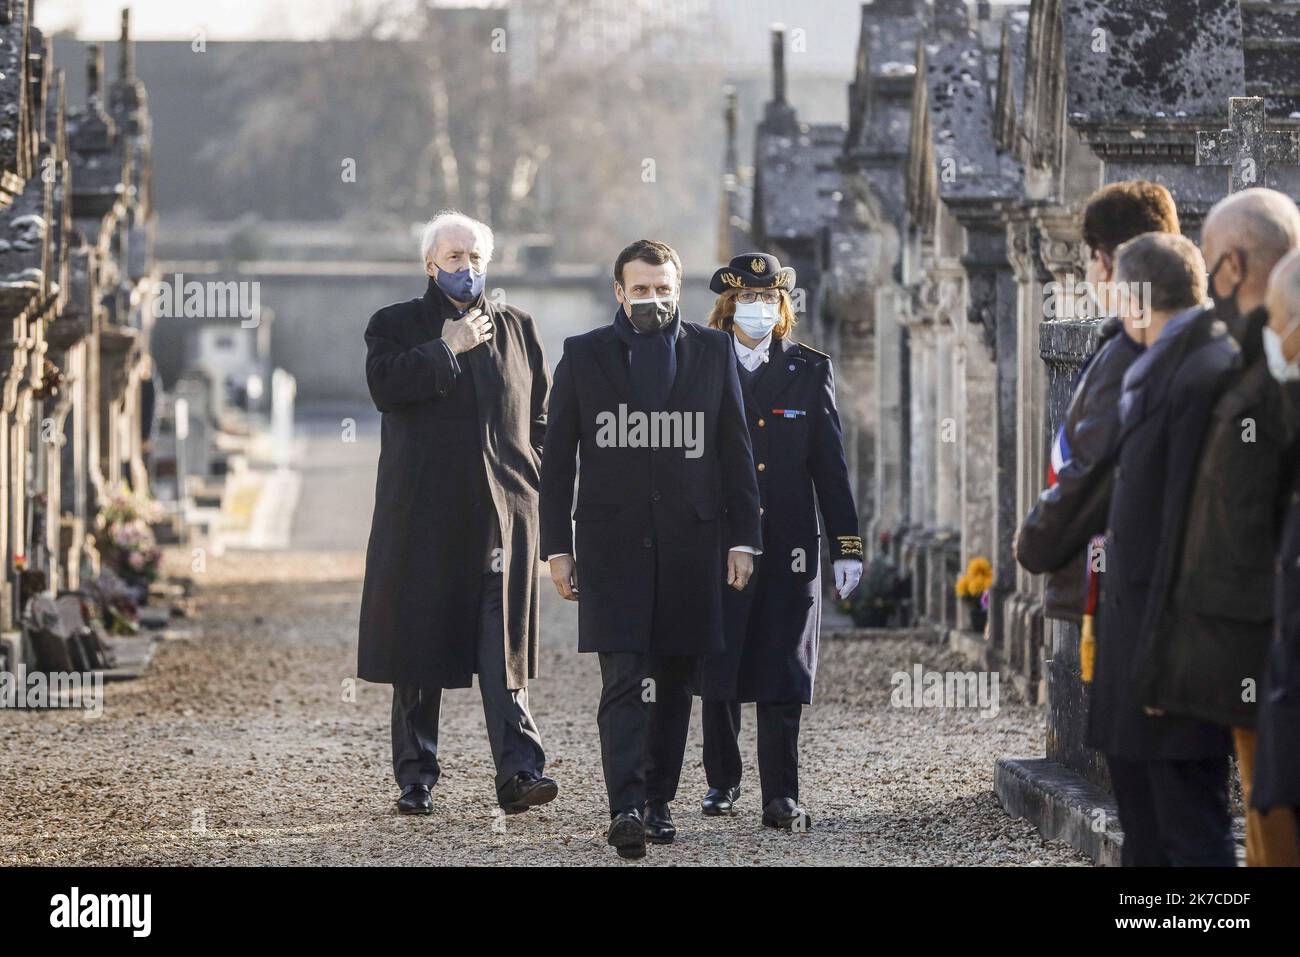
x=463, y=334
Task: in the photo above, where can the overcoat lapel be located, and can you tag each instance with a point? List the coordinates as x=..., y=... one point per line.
x=611, y=358
x=686, y=349
x=488, y=383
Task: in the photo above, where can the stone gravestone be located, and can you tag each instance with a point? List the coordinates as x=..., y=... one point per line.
x=1247, y=147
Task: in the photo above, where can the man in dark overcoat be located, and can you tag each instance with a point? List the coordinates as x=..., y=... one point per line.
x=1170, y=773
x=451, y=568
x=652, y=404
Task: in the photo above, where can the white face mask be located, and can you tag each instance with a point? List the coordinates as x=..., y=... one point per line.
x=1282, y=370
x=757, y=319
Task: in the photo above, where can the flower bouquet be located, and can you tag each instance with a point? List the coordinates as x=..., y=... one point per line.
x=973, y=588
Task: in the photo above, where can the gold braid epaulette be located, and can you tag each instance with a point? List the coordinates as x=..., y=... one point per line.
x=850, y=545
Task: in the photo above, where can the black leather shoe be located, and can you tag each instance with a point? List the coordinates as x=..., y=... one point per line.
x=526, y=789
x=415, y=799
x=720, y=801
x=627, y=834
x=659, y=826
x=786, y=814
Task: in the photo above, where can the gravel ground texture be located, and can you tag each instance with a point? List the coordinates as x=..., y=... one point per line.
x=248, y=742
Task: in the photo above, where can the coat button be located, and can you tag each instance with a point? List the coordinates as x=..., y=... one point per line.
x=655, y=496
x=646, y=543
x=762, y=467
x=761, y=423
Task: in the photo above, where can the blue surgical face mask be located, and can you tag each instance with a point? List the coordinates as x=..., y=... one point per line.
x=1282, y=370
x=757, y=319
x=463, y=286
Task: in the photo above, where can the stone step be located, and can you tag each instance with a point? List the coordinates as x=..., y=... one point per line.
x=1065, y=806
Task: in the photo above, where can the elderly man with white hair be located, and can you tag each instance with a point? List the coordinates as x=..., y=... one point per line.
x=451, y=567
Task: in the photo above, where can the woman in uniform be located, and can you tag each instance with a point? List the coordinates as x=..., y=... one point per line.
x=772, y=626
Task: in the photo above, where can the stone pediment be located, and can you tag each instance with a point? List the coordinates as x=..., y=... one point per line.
x=885, y=67
x=1009, y=101
x=24, y=229
x=968, y=161
x=799, y=179
x=14, y=92
x=954, y=155
x=1132, y=60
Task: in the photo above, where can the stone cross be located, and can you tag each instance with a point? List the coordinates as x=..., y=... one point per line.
x=1246, y=147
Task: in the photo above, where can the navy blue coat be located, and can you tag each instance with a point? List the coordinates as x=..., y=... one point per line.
x=1277, y=750
x=772, y=626
x=651, y=525
x=1165, y=405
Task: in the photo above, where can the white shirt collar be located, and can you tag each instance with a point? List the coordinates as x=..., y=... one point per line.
x=751, y=359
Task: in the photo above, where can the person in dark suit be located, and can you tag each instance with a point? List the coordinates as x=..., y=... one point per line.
x=1055, y=536
x=1276, y=792
x=451, y=567
x=652, y=405
x=1170, y=773
x=772, y=626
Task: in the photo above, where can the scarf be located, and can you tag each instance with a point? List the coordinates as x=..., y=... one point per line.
x=652, y=360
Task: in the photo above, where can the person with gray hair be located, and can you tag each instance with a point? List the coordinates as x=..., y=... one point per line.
x=451, y=567
x=1169, y=772
x=1209, y=644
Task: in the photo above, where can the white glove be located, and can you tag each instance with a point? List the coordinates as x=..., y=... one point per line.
x=848, y=572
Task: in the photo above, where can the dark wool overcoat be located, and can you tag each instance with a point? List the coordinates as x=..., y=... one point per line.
x=458, y=451
x=1209, y=648
x=650, y=526
x=772, y=626
x=1164, y=409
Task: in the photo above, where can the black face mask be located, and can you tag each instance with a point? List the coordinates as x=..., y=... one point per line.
x=1225, y=307
x=650, y=315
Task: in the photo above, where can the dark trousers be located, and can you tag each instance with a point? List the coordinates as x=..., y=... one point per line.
x=1174, y=813
x=644, y=718
x=778, y=747
x=515, y=740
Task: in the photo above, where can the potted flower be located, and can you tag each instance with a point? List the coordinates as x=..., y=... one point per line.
x=973, y=587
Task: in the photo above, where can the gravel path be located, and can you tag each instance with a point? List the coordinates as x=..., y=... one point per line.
x=237, y=747
x=241, y=745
